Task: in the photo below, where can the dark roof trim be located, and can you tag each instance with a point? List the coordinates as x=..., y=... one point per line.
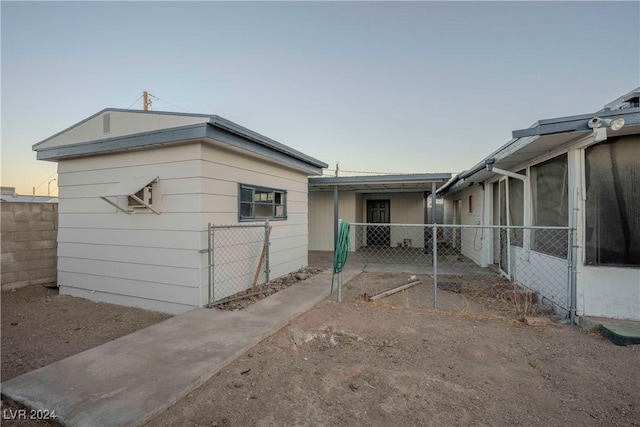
x=177, y=135
x=575, y=123
x=380, y=178
x=235, y=128
x=312, y=166
x=124, y=143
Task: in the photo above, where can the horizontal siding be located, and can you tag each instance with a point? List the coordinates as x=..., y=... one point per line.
x=128, y=287
x=291, y=182
x=164, y=186
x=283, y=244
x=129, y=254
x=146, y=257
x=169, y=170
x=156, y=274
x=281, y=232
x=292, y=263
x=221, y=203
x=136, y=238
x=130, y=301
x=175, y=203
x=118, y=220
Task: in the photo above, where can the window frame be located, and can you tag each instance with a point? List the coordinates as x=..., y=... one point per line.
x=270, y=200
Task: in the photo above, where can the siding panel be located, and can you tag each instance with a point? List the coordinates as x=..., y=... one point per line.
x=156, y=274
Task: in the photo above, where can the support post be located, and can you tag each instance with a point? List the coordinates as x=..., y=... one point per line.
x=434, y=242
x=267, y=243
x=573, y=264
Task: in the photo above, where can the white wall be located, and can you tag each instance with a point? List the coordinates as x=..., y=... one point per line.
x=609, y=292
x=144, y=260
x=121, y=123
x=473, y=241
x=405, y=208
x=547, y=275
x=222, y=171
x=321, y=216
x=154, y=261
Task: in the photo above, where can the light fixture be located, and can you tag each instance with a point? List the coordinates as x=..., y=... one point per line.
x=614, y=124
x=489, y=164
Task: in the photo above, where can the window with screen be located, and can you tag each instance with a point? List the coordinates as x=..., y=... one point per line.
x=550, y=205
x=516, y=208
x=612, y=207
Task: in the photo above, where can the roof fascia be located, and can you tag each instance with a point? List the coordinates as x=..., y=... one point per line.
x=199, y=131
x=380, y=179
x=125, y=143
x=573, y=123
x=237, y=141
x=229, y=126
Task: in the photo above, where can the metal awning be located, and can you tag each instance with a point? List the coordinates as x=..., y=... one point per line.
x=379, y=183
x=129, y=188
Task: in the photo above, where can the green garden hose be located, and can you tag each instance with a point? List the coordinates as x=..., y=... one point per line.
x=341, y=252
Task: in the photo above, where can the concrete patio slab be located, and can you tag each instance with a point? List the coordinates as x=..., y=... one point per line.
x=127, y=381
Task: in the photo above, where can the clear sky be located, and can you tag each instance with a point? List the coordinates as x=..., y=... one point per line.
x=383, y=87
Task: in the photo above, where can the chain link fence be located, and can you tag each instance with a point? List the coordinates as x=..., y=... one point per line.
x=525, y=265
x=238, y=261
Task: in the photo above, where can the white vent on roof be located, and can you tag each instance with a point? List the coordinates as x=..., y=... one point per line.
x=106, y=123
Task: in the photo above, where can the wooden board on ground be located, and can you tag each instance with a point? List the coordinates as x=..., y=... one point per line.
x=392, y=291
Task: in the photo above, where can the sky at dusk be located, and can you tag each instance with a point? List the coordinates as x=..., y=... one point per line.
x=377, y=86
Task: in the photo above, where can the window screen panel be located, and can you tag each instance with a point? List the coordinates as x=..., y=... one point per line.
x=516, y=209
x=550, y=189
x=612, y=214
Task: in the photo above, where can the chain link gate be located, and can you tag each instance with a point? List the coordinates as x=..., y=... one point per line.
x=475, y=258
x=238, y=260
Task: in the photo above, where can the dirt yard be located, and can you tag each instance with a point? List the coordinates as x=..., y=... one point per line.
x=393, y=362
x=40, y=327
x=366, y=363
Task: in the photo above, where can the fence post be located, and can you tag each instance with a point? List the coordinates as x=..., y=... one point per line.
x=434, y=240
x=211, y=242
x=266, y=251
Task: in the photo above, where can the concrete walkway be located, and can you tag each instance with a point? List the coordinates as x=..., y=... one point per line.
x=127, y=381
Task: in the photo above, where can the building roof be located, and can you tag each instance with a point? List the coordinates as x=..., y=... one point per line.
x=211, y=128
x=545, y=136
x=379, y=183
x=28, y=199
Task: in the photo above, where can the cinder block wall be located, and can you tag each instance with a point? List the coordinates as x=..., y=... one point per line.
x=29, y=247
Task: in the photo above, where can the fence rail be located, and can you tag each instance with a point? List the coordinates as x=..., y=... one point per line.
x=238, y=259
x=536, y=258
